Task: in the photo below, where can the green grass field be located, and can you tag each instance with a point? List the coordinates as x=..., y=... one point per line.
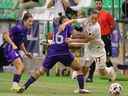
x=58, y=86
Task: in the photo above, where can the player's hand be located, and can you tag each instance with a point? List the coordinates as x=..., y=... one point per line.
x=29, y=55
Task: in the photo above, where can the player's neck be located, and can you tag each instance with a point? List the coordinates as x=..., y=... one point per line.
x=93, y=23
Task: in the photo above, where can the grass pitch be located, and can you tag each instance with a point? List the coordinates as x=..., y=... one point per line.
x=58, y=86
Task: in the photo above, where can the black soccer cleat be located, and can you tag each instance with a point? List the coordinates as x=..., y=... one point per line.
x=89, y=80
x=21, y=90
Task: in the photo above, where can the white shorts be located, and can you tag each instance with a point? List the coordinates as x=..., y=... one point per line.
x=101, y=62
x=88, y=59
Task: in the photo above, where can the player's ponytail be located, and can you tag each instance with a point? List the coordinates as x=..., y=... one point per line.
x=61, y=18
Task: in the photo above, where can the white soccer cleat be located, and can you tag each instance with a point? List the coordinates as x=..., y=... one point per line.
x=15, y=87
x=82, y=91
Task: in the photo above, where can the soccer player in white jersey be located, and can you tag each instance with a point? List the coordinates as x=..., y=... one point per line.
x=95, y=46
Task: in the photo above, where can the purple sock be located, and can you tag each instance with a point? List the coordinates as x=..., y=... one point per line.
x=29, y=82
x=16, y=78
x=80, y=79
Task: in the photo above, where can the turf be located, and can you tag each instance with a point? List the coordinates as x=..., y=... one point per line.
x=58, y=86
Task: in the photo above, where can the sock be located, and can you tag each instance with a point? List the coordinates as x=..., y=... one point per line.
x=29, y=82
x=80, y=79
x=109, y=63
x=1, y=69
x=16, y=78
x=92, y=70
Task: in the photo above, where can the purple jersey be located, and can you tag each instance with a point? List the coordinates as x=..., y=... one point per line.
x=59, y=46
x=18, y=34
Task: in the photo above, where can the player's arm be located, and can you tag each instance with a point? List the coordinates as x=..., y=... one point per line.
x=7, y=38
x=62, y=26
x=111, y=22
x=76, y=42
x=81, y=20
x=23, y=48
x=21, y=42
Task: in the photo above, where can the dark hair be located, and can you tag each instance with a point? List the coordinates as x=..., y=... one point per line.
x=26, y=16
x=61, y=18
x=99, y=0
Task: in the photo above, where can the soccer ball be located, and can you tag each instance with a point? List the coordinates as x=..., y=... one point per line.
x=115, y=89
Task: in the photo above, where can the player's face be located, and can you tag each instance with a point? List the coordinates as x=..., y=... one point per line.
x=98, y=5
x=94, y=18
x=29, y=22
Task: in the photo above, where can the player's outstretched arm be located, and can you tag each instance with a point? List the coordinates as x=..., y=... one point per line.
x=81, y=20
x=7, y=38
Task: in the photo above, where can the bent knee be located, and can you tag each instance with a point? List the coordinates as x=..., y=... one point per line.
x=40, y=71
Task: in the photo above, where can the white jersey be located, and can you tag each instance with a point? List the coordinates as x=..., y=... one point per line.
x=96, y=46
x=1, y=39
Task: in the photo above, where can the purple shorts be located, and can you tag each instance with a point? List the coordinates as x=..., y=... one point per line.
x=50, y=61
x=10, y=54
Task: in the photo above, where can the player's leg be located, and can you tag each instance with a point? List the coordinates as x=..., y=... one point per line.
x=47, y=64
x=103, y=70
x=80, y=76
x=83, y=62
x=17, y=76
x=91, y=72
x=108, y=47
x=13, y=56
x=69, y=60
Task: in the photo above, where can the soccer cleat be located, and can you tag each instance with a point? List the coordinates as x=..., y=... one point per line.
x=82, y=91
x=21, y=90
x=89, y=80
x=15, y=87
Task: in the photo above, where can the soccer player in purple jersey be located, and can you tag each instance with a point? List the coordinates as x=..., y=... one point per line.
x=58, y=52
x=10, y=55
x=18, y=35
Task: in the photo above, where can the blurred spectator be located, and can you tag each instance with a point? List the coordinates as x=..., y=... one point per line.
x=125, y=9
x=26, y=4
x=63, y=6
